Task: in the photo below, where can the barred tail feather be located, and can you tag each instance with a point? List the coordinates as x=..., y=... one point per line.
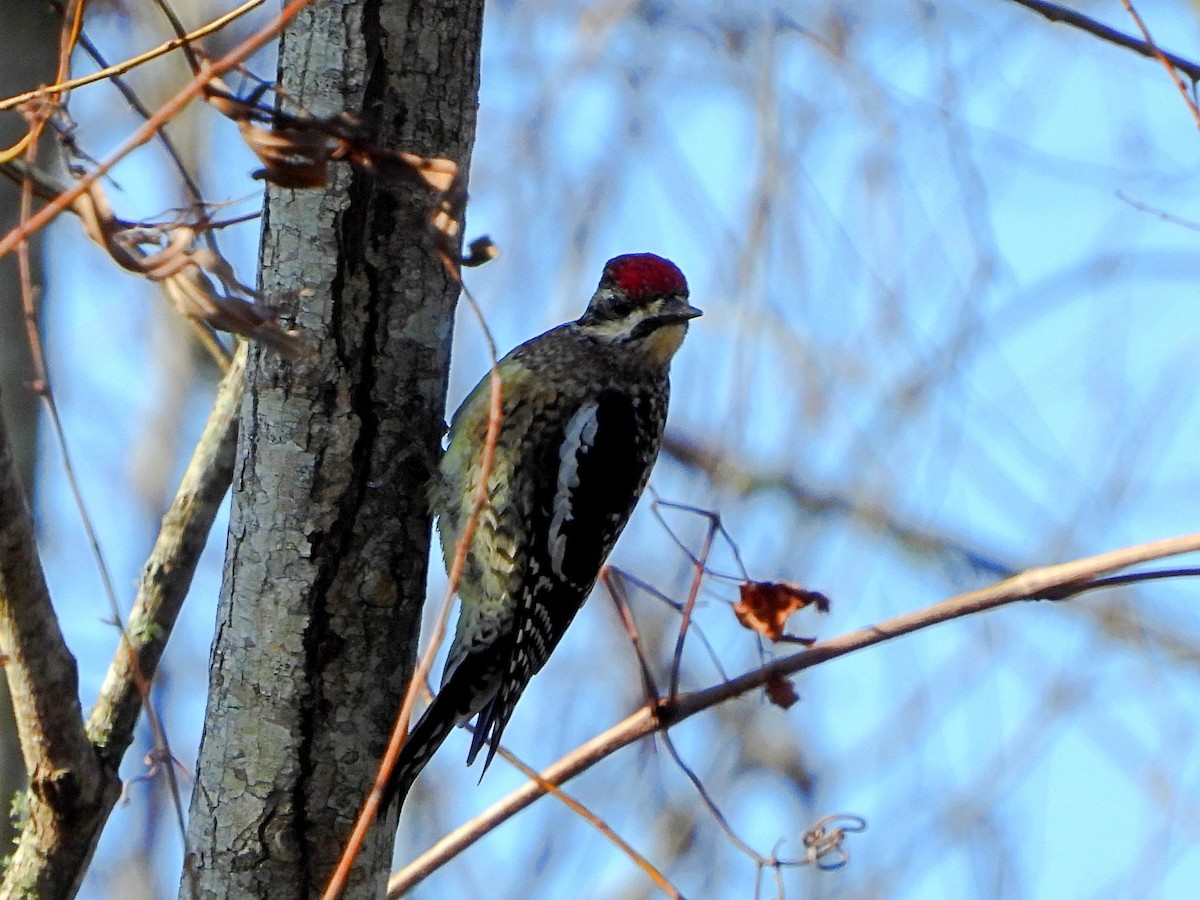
x=492, y=721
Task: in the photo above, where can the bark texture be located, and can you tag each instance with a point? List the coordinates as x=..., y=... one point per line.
x=329, y=532
x=75, y=784
x=27, y=45
x=67, y=786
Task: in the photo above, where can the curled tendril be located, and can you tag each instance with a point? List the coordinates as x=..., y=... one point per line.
x=823, y=842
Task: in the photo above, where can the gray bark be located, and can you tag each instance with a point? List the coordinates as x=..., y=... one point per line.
x=75, y=784
x=27, y=55
x=329, y=531
x=66, y=779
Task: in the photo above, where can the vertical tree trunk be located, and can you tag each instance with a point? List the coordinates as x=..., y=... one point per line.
x=28, y=44
x=329, y=532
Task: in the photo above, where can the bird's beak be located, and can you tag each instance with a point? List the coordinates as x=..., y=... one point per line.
x=680, y=311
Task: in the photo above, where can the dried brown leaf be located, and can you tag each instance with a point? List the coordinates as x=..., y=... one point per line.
x=765, y=607
x=168, y=255
x=780, y=691
x=481, y=250
x=296, y=150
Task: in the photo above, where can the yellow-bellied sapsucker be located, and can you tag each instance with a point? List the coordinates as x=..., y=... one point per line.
x=583, y=410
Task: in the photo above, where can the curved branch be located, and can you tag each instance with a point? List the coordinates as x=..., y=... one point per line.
x=75, y=783
x=1059, y=581
x=66, y=780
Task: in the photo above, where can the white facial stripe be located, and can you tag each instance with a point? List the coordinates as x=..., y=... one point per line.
x=580, y=435
x=610, y=330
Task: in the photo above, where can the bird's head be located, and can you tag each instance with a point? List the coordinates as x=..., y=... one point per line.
x=641, y=303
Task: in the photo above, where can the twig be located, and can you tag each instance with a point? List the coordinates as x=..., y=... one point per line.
x=1158, y=213
x=713, y=809
x=1061, y=14
x=132, y=63
x=658, y=595
x=168, y=572
x=1162, y=58
x=146, y=132
x=180, y=33
x=599, y=824
x=713, y=519
x=1112, y=581
x=1029, y=585
x=701, y=564
x=614, y=582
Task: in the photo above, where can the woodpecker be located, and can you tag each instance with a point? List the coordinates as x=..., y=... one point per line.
x=583, y=411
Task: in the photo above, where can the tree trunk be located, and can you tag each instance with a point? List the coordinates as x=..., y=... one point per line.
x=329, y=531
x=27, y=58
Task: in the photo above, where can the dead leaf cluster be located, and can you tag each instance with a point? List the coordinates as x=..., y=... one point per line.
x=170, y=255
x=765, y=607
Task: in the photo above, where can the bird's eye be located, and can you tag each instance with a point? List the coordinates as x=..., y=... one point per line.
x=620, y=308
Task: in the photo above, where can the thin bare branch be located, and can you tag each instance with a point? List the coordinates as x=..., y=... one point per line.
x=596, y=822
x=133, y=62
x=1063, y=15
x=652, y=591
x=700, y=565
x=1030, y=585
x=146, y=132
x=613, y=580
x=1162, y=58
x=168, y=572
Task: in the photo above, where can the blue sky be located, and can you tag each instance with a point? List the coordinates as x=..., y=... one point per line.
x=926, y=291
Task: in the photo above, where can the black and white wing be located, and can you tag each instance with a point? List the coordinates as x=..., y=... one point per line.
x=585, y=492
